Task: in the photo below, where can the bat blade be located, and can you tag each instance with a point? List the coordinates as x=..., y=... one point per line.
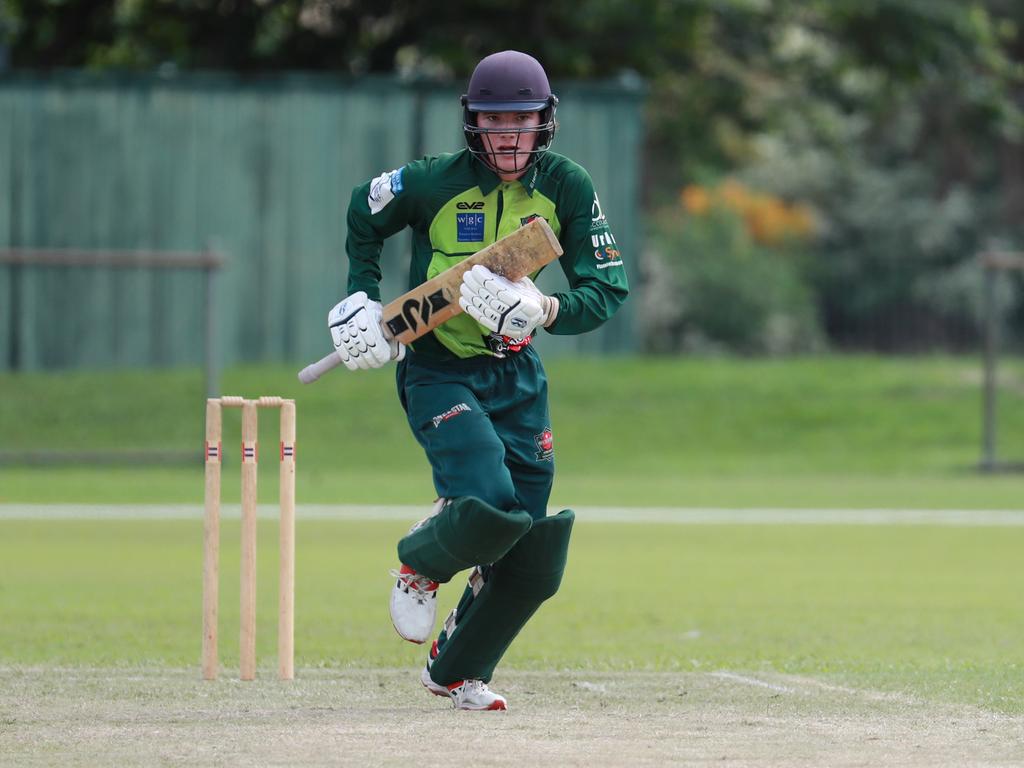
x=436, y=301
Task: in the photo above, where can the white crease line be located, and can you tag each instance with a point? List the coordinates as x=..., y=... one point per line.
x=411, y=513
x=867, y=693
x=752, y=681
x=904, y=699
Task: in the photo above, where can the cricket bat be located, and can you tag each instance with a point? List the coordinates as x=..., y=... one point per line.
x=436, y=301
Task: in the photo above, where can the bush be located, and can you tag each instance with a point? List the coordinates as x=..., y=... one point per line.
x=893, y=264
x=709, y=285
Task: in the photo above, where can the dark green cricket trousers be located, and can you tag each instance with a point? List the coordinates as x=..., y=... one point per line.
x=484, y=425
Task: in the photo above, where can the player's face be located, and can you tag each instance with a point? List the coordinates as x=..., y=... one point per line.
x=507, y=144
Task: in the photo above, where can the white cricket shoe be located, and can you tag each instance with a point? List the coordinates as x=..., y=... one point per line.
x=413, y=605
x=465, y=694
x=428, y=682
x=475, y=695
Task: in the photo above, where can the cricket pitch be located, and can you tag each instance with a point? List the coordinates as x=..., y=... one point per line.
x=157, y=716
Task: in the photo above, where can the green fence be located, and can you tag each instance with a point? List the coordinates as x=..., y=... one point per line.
x=258, y=169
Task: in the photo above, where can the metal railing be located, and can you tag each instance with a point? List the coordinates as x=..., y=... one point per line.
x=208, y=261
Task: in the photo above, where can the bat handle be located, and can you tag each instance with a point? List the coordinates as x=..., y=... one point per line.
x=314, y=371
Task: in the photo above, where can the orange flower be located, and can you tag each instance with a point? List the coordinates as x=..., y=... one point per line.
x=768, y=220
x=695, y=200
x=734, y=195
x=802, y=220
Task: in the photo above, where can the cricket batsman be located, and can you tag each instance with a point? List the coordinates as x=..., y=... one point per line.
x=474, y=389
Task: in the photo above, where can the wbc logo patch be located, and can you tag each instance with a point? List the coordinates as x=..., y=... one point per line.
x=469, y=227
x=545, y=443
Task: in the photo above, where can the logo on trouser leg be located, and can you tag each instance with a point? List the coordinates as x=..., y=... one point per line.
x=545, y=442
x=451, y=413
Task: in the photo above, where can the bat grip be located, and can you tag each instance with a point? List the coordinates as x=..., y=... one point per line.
x=314, y=371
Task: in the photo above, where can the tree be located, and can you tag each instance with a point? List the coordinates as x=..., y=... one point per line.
x=825, y=100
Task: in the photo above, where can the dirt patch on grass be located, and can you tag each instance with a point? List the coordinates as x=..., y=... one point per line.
x=384, y=717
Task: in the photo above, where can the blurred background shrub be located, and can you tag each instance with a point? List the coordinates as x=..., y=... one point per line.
x=727, y=268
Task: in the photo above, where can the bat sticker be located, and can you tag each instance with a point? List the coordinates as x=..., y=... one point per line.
x=415, y=311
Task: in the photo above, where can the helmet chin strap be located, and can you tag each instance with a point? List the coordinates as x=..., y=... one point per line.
x=490, y=158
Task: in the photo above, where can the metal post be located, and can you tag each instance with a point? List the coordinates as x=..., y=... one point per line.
x=988, y=440
x=14, y=359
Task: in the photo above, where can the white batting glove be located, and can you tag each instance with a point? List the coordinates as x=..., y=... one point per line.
x=358, y=336
x=512, y=309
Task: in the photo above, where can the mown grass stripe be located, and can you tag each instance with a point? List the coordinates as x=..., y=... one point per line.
x=680, y=516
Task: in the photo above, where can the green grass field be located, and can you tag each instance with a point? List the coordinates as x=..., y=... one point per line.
x=929, y=611
x=926, y=610
x=814, y=432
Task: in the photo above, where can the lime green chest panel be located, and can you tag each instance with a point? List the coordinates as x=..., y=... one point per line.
x=465, y=224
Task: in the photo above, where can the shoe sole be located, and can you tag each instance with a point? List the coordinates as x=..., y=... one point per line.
x=437, y=690
x=436, y=693
x=408, y=639
x=433, y=687
x=497, y=706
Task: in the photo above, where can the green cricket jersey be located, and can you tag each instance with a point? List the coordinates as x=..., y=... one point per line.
x=455, y=206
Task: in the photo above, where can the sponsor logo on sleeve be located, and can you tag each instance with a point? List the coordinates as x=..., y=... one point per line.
x=469, y=227
x=383, y=190
x=606, y=250
x=608, y=256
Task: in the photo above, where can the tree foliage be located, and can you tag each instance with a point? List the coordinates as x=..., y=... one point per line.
x=898, y=121
x=721, y=71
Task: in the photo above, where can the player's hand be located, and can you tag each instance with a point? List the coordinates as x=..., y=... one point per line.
x=358, y=335
x=512, y=309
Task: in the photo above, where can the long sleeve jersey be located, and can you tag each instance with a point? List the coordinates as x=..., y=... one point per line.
x=455, y=206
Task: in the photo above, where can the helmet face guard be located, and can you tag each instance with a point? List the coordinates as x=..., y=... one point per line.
x=515, y=82
x=524, y=158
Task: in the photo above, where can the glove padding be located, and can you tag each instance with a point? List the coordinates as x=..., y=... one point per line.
x=512, y=309
x=358, y=336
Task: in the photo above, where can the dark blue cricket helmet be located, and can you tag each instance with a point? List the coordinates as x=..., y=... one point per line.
x=509, y=81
